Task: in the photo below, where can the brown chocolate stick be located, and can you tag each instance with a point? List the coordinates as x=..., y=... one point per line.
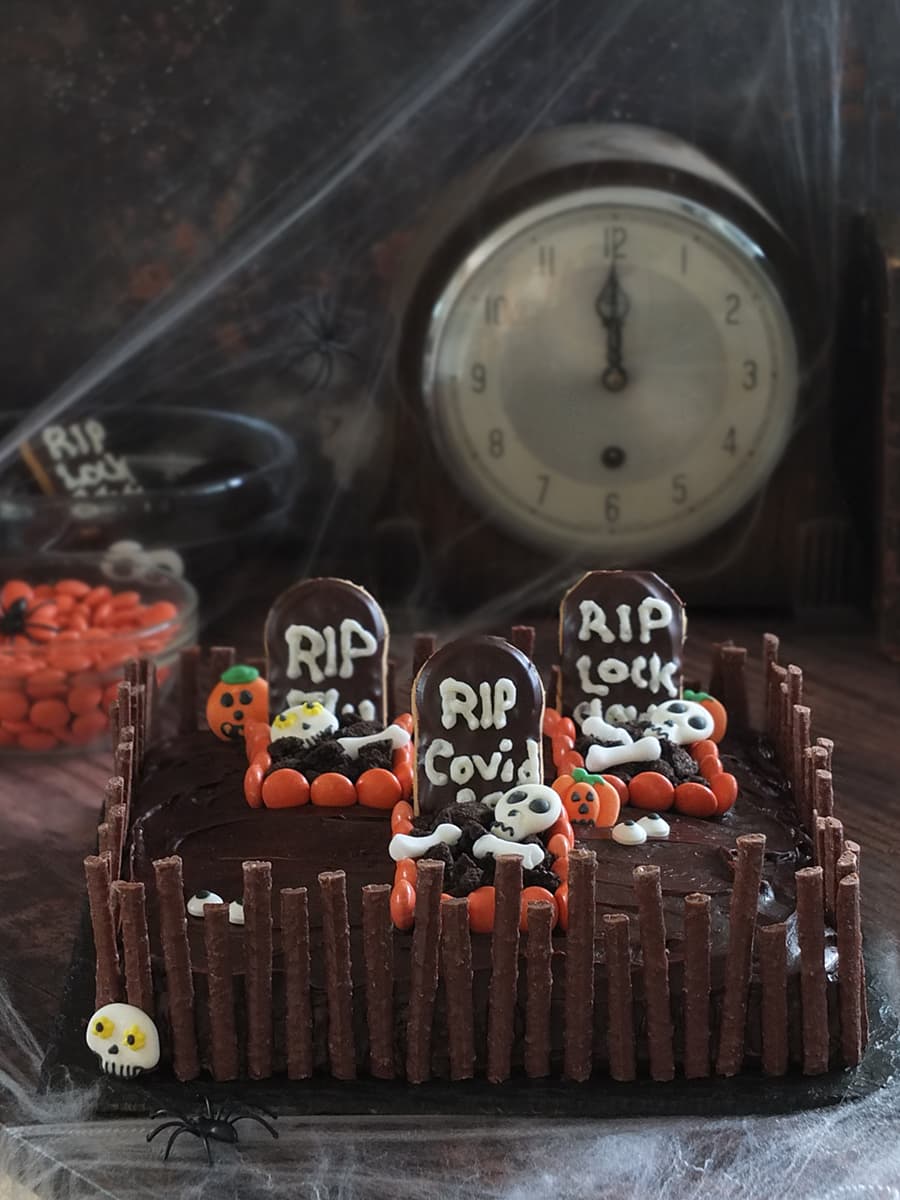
x=539, y=993
x=819, y=839
x=785, y=734
x=716, y=673
x=107, y=984
x=739, y=956
x=823, y=793
x=774, y=1004
x=770, y=645
x=224, y=1059
x=378, y=950
x=177, y=958
x=104, y=841
x=116, y=818
x=827, y=745
x=852, y=847
x=124, y=765
x=734, y=696
x=813, y=982
x=424, y=645
x=423, y=969
x=696, y=986
x=801, y=725
x=298, y=1004
x=833, y=849
x=188, y=688
x=114, y=723
x=578, y=1035
x=850, y=969
x=338, y=974
x=390, y=688
x=620, y=1038
x=504, y=967
x=777, y=677
x=113, y=794
x=456, y=970
x=522, y=637
x=131, y=907
x=258, y=967
x=656, y=971
x=846, y=865
x=220, y=659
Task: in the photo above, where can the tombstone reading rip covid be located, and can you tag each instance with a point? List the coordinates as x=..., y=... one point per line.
x=478, y=705
x=621, y=640
x=327, y=640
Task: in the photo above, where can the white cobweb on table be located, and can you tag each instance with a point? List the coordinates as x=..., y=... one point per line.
x=51, y=1147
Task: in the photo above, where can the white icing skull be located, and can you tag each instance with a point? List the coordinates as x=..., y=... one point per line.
x=525, y=810
x=683, y=722
x=124, y=1039
x=307, y=721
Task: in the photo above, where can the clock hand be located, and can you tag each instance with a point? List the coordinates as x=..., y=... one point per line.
x=612, y=305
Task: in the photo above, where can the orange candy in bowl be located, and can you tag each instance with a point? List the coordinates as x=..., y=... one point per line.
x=64, y=642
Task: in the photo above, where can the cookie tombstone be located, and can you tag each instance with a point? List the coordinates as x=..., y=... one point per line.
x=478, y=705
x=327, y=640
x=621, y=640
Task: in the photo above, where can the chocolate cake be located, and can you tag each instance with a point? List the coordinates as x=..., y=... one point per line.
x=733, y=944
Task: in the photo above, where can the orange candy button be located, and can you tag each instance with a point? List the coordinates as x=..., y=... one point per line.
x=562, y=904
x=652, y=791
x=88, y=727
x=725, y=789
x=378, y=788
x=125, y=599
x=332, y=790
x=158, y=614
x=84, y=699
x=253, y=781
x=405, y=721
x=285, y=789
x=72, y=587
x=403, y=903
x=49, y=714
x=37, y=740
x=13, y=706
x=13, y=590
x=571, y=761
x=404, y=774
x=482, y=903
x=535, y=893
x=695, y=800
x=97, y=595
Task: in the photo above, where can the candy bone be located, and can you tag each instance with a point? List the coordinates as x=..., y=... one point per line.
x=601, y=758
x=405, y=845
x=392, y=733
x=530, y=853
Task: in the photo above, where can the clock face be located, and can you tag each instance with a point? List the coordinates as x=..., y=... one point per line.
x=613, y=371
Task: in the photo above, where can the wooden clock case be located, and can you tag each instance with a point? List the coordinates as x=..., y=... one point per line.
x=788, y=548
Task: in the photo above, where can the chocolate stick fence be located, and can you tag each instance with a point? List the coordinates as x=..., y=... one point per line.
x=826, y=893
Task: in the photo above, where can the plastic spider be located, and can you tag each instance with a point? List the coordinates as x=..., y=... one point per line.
x=323, y=342
x=212, y=1125
x=17, y=616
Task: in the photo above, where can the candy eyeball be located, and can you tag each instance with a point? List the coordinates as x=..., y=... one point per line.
x=124, y=1039
x=199, y=901
x=308, y=722
x=654, y=826
x=629, y=833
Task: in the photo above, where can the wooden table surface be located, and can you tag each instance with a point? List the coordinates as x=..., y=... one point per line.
x=48, y=808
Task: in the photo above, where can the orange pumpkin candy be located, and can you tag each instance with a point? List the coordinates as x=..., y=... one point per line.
x=241, y=695
x=590, y=801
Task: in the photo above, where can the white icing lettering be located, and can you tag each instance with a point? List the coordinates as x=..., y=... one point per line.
x=462, y=769
x=593, y=621
x=505, y=745
x=366, y=710
x=506, y=775
x=330, y=668
x=366, y=647
x=637, y=671
x=307, y=646
x=488, y=770
x=439, y=748
x=653, y=614
x=623, y=612
x=459, y=699
x=530, y=769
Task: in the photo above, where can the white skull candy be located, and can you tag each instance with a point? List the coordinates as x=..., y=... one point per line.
x=307, y=721
x=525, y=810
x=124, y=1039
x=683, y=722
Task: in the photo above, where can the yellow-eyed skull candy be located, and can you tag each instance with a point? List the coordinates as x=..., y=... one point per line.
x=124, y=1039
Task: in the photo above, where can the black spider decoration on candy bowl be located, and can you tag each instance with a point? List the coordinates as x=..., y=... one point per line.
x=212, y=1125
x=18, y=609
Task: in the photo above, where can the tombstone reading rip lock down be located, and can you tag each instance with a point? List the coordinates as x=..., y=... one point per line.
x=621, y=640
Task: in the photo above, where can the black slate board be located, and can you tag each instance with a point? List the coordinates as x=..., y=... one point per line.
x=749, y=1094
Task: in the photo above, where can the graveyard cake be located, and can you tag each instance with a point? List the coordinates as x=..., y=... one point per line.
x=574, y=872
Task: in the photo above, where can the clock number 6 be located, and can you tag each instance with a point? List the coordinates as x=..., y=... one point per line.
x=679, y=489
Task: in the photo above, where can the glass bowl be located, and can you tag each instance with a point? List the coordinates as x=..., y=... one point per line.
x=65, y=636
x=217, y=490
